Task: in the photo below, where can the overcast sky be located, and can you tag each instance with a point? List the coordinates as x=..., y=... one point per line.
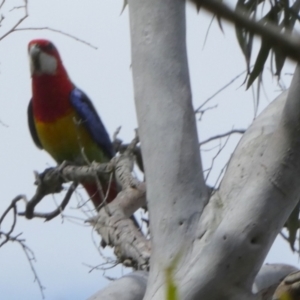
x=62, y=247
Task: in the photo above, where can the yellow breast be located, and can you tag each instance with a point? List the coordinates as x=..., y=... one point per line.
x=68, y=139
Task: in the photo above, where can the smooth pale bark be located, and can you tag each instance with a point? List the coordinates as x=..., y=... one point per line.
x=130, y=287
x=260, y=189
x=133, y=286
x=176, y=191
x=271, y=274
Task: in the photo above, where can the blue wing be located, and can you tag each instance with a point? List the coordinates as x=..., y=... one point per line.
x=92, y=121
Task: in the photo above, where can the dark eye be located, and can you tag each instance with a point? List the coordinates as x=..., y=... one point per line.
x=50, y=46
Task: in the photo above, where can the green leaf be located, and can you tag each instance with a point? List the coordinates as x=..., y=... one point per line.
x=125, y=3
x=271, y=17
x=172, y=290
x=259, y=63
x=198, y=4
x=279, y=61
x=220, y=23
x=288, y=23
x=244, y=37
x=219, y=19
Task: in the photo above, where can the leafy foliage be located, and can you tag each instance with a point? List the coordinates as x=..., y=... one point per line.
x=282, y=13
x=268, y=14
x=272, y=14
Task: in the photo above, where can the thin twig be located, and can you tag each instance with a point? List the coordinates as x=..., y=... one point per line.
x=3, y=124
x=31, y=257
x=216, y=185
x=16, y=27
x=207, y=31
x=9, y=238
x=209, y=149
x=215, y=157
x=202, y=111
x=13, y=29
x=219, y=136
x=16, y=7
x=102, y=267
x=57, y=31
x=11, y=206
x=219, y=91
x=2, y=3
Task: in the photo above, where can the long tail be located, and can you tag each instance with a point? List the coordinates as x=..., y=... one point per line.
x=97, y=199
x=95, y=195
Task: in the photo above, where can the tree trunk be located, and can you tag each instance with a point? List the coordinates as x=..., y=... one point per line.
x=176, y=191
x=216, y=248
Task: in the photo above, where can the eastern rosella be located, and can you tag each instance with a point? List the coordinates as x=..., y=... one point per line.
x=63, y=120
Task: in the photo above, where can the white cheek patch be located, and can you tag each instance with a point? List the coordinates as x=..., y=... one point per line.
x=47, y=64
x=32, y=68
x=42, y=63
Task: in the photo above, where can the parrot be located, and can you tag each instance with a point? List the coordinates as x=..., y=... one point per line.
x=63, y=121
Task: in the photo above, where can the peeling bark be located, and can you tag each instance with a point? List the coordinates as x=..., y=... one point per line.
x=117, y=230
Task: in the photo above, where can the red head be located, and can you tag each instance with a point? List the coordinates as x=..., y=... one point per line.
x=51, y=85
x=44, y=58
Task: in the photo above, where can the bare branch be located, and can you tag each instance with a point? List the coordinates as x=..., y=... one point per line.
x=202, y=111
x=222, y=171
x=198, y=110
x=13, y=207
x=1, y=122
x=51, y=180
x=2, y=3
x=16, y=27
x=25, y=6
x=215, y=157
x=31, y=257
x=136, y=150
x=59, y=209
x=57, y=31
x=219, y=136
x=112, y=223
x=124, y=165
x=9, y=238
